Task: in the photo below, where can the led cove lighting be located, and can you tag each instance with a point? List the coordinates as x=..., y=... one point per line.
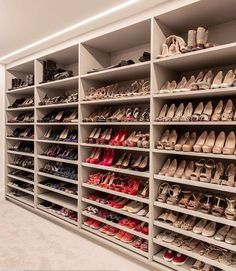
x=70, y=28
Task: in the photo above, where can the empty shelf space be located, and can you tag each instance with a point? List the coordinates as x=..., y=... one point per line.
x=24, y=199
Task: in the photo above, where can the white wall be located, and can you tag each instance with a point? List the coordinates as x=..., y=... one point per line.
x=2, y=131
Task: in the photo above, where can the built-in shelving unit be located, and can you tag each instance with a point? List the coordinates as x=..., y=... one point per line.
x=99, y=53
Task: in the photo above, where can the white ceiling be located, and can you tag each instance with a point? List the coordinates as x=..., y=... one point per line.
x=23, y=22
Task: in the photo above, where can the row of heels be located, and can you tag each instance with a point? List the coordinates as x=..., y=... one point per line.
x=120, y=115
x=120, y=138
x=23, y=147
x=206, y=142
x=61, y=170
x=136, y=88
x=22, y=102
x=217, y=205
x=202, y=112
x=22, y=174
x=201, y=82
x=70, y=98
x=67, y=135
x=61, y=152
x=60, y=116
x=23, y=133
x=125, y=184
x=23, y=161
x=207, y=171
x=106, y=157
x=23, y=118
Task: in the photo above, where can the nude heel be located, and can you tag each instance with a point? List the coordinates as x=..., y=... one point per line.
x=200, y=142
x=230, y=142
x=188, y=146
x=209, y=143
x=219, y=144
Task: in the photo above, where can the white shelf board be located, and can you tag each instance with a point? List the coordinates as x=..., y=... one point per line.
x=56, y=123
x=57, y=142
x=48, y=211
x=115, y=147
x=57, y=191
x=223, y=188
x=191, y=234
x=122, y=100
x=21, y=168
x=196, y=123
x=20, y=124
x=22, y=90
x=21, y=189
x=119, y=170
x=197, y=154
x=193, y=255
x=68, y=83
x=25, y=199
x=199, y=214
x=121, y=123
x=113, y=192
x=215, y=56
x=129, y=72
x=128, y=247
x=116, y=225
x=20, y=179
x=58, y=105
x=61, y=200
x=57, y=177
x=20, y=138
x=21, y=153
x=219, y=92
x=26, y=108
x=44, y=157
x=116, y=210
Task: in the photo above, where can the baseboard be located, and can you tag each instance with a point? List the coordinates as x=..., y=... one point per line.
x=2, y=194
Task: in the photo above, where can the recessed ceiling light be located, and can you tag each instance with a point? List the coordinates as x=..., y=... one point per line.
x=70, y=28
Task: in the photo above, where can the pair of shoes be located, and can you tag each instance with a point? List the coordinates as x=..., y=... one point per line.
x=114, y=91
x=201, y=266
x=70, y=98
x=174, y=257
x=66, y=135
x=23, y=118
x=141, y=244
x=200, y=113
x=60, y=116
x=22, y=174
x=23, y=185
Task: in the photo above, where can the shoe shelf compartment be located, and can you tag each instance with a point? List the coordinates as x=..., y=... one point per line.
x=116, y=210
x=191, y=234
x=51, y=214
x=191, y=254
x=21, y=189
x=28, y=200
x=112, y=192
x=118, y=170
x=45, y=187
x=217, y=187
x=57, y=177
x=116, y=225
x=61, y=200
x=102, y=53
x=128, y=247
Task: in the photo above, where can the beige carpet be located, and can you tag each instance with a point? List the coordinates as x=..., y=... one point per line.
x=29, y=242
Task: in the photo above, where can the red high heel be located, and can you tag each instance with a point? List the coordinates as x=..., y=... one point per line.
x=134, y=189
x=97, y=156
x=108, y=157
x=116, y=138
x=92, y=155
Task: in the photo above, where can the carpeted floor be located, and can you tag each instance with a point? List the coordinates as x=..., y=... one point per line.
x=29, y=242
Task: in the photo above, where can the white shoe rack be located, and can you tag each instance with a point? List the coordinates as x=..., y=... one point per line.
x=127, y=43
